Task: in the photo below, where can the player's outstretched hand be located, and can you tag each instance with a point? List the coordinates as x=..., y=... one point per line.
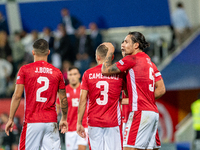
x=63, y=126
x=9, y=126
x=81, y=131
x=110, y=47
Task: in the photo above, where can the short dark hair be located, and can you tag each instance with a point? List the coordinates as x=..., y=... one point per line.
x=41, y=47
x=138, y=37
x=102, y=50
x=179, y=5
x=73, y=67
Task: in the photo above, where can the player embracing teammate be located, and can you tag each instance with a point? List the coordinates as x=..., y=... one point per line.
x=141, y=128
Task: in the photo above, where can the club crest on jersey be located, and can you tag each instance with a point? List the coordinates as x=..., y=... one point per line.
x=18, y=77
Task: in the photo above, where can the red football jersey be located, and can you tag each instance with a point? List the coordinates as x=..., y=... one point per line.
x=41, y=83
x=104, y=93
x=125, y=108
x=73, y=96
x=140, y=81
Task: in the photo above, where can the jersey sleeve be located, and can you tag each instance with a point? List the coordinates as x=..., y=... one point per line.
x=20, y=76
x=61, y=82
x=84, y=83
x=126, y=63
x=157, y=73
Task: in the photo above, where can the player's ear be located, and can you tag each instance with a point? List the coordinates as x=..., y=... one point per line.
x=79, y=75
x=98, y=57
x=49, y=52
x=136, y=45
x=33, y=52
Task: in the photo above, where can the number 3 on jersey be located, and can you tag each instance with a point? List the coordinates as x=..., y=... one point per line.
x=104, y=92
x=42, y=89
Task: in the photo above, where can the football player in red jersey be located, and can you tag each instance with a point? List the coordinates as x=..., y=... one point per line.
x=104, y=113
x=141, y=128
x=40, y=82
x=72, y=139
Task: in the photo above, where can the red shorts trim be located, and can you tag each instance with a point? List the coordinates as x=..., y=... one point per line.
x=22, y=141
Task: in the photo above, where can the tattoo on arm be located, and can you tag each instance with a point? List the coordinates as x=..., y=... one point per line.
x=108, y=61
x=113, y=68
x=64, y=102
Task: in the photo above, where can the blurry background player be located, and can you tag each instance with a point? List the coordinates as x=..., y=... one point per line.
x=104, y=113
x=195, y=108
x=72, y=139
x=41, y=82
x=141, y=128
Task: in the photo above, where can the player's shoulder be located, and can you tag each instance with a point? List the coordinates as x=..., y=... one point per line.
x=54, y=68
x=128, y=58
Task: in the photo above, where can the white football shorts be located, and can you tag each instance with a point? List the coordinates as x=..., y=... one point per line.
x=109, y=138
x=35, y=136
x=140, y=131
x=73, y=140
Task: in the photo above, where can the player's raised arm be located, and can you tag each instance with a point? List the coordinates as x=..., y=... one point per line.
x=108, y=68
x=81, y=111
x=63, y=126
x=19, y=88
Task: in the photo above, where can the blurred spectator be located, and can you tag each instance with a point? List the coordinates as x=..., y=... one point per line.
x=5, y=72
x=3, y=23
x=56, y=58
x=65, y=48
x=5, y=50
x=65, y=67
x=70, y=23
x=84, y=51
x=27, y=41
x=181, y=23
x=8, y=141
x=50, y=39
x=195, y=108
x=58, y=35
x=95, y=35
x=18, y=52
x=173, y=39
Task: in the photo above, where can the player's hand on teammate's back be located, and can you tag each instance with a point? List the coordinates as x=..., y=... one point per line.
x=63, y=126
x=81, y=131
x=9, y=126
x=110, y=47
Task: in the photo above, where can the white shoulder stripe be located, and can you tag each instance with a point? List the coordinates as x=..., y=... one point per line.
x=121, y=62
x=158, y=74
